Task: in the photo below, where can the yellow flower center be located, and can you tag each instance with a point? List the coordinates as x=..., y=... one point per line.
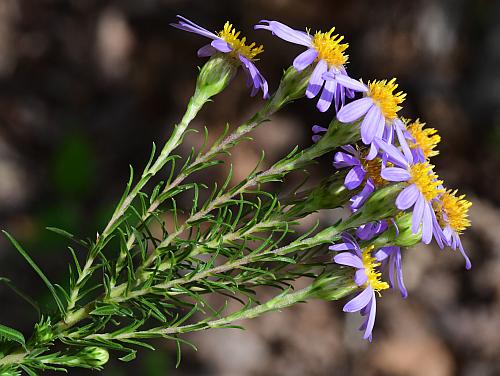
x=231, y=36
x=330, y=49
x=425, y=139
x=455, y=209
x=373, y=170
x=426, y=180
x=374, y=277
x=382, y=93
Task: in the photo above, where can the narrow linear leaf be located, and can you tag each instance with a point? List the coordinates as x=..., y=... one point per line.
x=37, y=270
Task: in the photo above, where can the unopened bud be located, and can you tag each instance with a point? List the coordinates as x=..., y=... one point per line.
x=214, y=76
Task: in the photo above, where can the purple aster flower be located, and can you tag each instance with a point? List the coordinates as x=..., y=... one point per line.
x=366, y=276
x=361, y=170
x=379, y=107
x=451, y=219
x=326, y=50
x=390, y=257
x=423, y=187
x=227, y=42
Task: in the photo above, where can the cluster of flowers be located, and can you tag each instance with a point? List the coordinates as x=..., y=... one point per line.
x=392, y=149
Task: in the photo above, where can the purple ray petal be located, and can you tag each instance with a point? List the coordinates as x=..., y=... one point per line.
x=186, y=25
x=418, y=212
x=354, y=178
x=206, y=50
x=361, y=197
x=341, y=160
x=371, y=316
x=316, y=82
x=286, y=33
x=407, y=197
x=350, y=83
x=371, y=125
x=468, y=264
x=346, y=246
x=305, y=59
x=348, y=259
x=395, y=174
x=359, y=301
x=360, y=277
x=394, y=154
x=399, y=126
x=354, y=110
x=427, y=224
x=325, y=100
x=399, y=274
x=221, y=45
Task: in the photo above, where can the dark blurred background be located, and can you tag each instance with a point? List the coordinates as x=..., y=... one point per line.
x=87, y=85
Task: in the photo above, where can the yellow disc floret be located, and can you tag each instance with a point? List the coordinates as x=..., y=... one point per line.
x=453, y=210
x=231, y=36
x=425, y=139
x=373, y=170
x=426, y=180
x=330, y=49
x=370, y=264
x=382, y=93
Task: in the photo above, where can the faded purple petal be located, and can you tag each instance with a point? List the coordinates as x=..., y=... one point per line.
x=399, y=275
x=305, y=59
x=354, y=110
x=258, y=81
x=407, y=197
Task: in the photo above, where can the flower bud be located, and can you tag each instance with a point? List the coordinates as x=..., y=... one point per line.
x=330, y=194
x=93, y=356
x=43, y=331
x=334, y=284
x=399, y=233
x=380, y=205
x=292, y=86
x=214, y=76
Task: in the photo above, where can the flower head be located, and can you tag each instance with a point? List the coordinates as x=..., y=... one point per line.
x=328, y=53
x=362, y=170
x=367, y=275
x=423, y=187
x=452, y=216
x=379, y=107
x=422, y=141
x=228, y=42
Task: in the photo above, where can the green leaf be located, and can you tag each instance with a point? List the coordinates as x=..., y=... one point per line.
x=37, y=270
x=12, y=335
x=130, y=356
